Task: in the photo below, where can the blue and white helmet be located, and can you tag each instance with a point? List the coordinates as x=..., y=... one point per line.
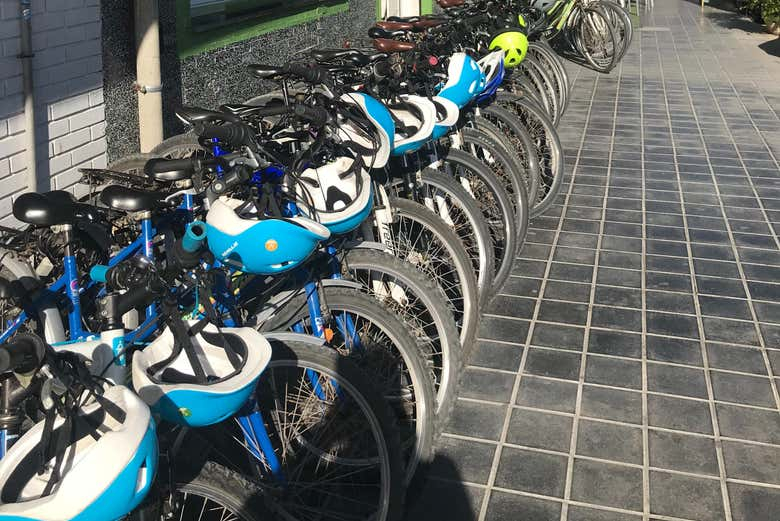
x=465, y=80
x=338, y=195
x=492, y=67
x=102, y=472
x=202, y=375
x=447, y=116
x=260, y=245
x=374, y=145
x=420, y=115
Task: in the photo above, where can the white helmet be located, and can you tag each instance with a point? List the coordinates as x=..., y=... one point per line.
x=373, y=144
x=200, y=375
x=422, y=121
x=338, y=194
x=102, y=464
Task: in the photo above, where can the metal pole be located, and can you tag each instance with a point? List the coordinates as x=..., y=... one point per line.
x=148, y=83
x=26, y=56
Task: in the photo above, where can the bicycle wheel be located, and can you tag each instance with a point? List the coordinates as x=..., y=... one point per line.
x=419, y=237
x=547, y=145
x=547, y=59
x=423, y=307
x=510, y=172
x=502, y=127
x=495, y=204
x=181, y=146
x=621, y=23
x=520, y=85
x=214, y=493
x=376, y=340
x=532, y=74
x=332, y=442
x=441, y=194
x=546, y=84
x=595, y=38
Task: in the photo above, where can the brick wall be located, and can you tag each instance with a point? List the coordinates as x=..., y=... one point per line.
x=68, y=79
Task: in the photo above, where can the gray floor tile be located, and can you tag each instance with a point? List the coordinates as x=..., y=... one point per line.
x=553, y=395
x=479, y=420
x=679, y=413
x=752, y=462
x=672, y=494
x=496, y=355
x=540, y=430
x=607, y=484
x=745, y=389
x=674, y=451
x=486, y=385
x=531, y=471
x=511, y=507
x=609, y=441
x=464, y=460
x=749, y=503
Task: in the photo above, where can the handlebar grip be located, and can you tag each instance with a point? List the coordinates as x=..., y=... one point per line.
x=22, y=354
x=318, y=116
x=161, y=165
x=316, y=75
x=236, y=134
x=99, y=273
x=194, y=236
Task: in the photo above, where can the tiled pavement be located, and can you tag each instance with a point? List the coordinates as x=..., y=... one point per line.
x=630, y=368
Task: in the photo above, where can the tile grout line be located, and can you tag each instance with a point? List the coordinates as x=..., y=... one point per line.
x=589, y=316
x=516, y=385
x=735, y=250
x=643, y=341
x=700, y=322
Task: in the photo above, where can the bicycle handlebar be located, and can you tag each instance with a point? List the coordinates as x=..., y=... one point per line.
x=22, y=354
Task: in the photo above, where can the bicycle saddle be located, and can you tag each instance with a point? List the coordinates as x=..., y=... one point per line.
x=385, y=45
x=378, y=32
x=50, y=208
x=196, y=114
x=128, y=199
x=395, y=26
x=446, y=4
x=325, y=55
x=167, y=171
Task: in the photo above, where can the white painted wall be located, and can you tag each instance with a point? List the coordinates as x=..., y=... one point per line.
x=400, y=8
x=68, y=78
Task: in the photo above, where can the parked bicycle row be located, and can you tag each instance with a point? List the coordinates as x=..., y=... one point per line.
x=266, y=317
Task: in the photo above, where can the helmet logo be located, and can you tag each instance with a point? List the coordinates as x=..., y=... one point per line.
x=271, y=245
x=230, y=249
x=185, y=412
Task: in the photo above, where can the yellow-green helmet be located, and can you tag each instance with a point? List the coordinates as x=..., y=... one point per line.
x=513, y=42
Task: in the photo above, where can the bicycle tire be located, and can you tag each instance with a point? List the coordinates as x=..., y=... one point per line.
x=533, y=75
x=495, y=204
x=181, y=146
x=221, y=486
x=623, y=18
x=295, y=357
x=550, y=63
x=458, y=284
x=586, y=19
x=445, y=197
x=417, y=443
x=442, y=181
x=548, y=149
x=480, y=145
x=545, y=84
x=505, y=129
x=403, y=288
